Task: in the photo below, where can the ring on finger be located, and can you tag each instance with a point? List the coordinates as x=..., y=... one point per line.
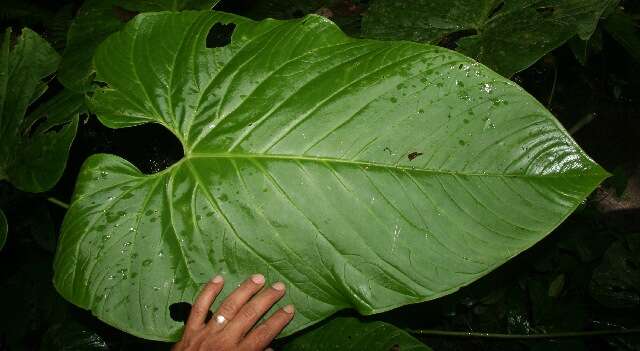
x=221, y=320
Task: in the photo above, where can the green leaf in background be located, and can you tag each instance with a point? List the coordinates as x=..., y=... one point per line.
x=72, y=336
x=347, y=333
x=33, y=153
x=57, y=26
x=507, y=36
x=364, y=174
x=4, y=229
x=95, y=21
x=616, y=281
x=624, y=29
x=346, y=14
x=582, y=49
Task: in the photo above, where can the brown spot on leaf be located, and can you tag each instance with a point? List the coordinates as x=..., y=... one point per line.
x=413, y=155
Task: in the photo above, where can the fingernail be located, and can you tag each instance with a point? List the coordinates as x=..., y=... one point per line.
x=217, y=279
x=257, y=278
x=278, y=286
x=288, y=308
x=269, y=349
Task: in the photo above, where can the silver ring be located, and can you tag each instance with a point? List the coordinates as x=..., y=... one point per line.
x=220, y=319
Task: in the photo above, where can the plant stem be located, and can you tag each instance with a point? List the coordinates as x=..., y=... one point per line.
x=582, y=122
x=55, y=201
x=553, y=87
x=583, y=334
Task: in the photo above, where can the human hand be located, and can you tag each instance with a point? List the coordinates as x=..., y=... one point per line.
x=230, y=327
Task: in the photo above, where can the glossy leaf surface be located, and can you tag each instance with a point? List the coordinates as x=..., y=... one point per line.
x=33, y=155
x=507, y=36
x=95, y=21
x=364, y=174
x=346, y=333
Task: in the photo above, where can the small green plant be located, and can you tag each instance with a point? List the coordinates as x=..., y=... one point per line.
x=34, y=148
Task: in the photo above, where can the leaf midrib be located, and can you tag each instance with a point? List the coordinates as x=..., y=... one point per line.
x=317, y=159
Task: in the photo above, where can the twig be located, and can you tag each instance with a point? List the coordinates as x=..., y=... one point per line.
x=553, y=87
x=55, y=201
x=583, y=334
x=582, y=122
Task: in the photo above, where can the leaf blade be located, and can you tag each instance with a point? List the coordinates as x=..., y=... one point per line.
x=33, y=157
x=506, y=36
x=95, y=21
x=297, y=142
x=345, y=333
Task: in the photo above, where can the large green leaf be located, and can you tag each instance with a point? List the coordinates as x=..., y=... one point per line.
x=347, y=333
x=95, y=21
x=507, y=36
x=33, y=155
x=362, y=173
x=4, y=228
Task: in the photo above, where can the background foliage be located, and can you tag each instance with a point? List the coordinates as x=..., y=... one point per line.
x=584, y=276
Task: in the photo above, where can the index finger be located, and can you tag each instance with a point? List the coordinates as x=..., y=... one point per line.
x=201, y=307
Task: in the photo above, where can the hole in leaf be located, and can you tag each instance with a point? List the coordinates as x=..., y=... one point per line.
x=34, y=126
x=220, y=35
x=179, y=311
x=123, y=15
x=56, y=127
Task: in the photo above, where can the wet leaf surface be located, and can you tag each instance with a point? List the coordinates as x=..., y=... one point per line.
x=295, y=165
